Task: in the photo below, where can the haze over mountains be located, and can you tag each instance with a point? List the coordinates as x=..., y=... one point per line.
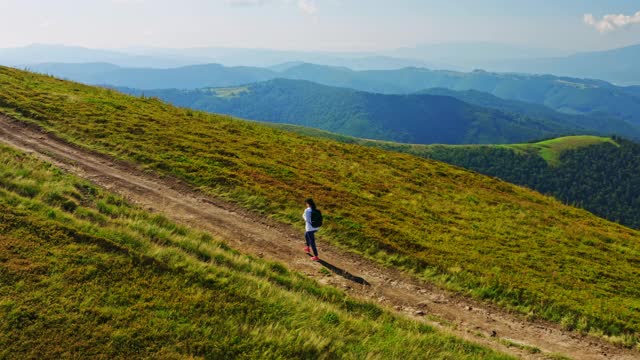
x=570, y=95
x=515, y=107
x=620, y=66
x=39, y=53
x=28, y=56
x=617, y=65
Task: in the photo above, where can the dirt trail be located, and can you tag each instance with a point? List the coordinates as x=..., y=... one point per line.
x=477, y=322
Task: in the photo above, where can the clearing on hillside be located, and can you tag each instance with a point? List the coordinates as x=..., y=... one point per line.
x=550, y=150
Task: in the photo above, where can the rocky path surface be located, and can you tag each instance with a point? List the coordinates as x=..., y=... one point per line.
x=478, y=322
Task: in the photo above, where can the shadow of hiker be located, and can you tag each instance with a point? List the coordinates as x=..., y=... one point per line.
x=345, y=274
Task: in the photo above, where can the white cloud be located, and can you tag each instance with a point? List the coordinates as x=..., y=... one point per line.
x=611, y=22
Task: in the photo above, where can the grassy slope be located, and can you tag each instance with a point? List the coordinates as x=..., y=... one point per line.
x=84, y=274
x=550, y=150
x=468, y=232
x=594, y=173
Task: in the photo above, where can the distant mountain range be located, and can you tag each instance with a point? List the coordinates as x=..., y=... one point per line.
x=187, y=77
x=411, y=118
x=269, y=57
x=602, y=103
x=619, y=66
x=600, y=122
x=41, y=53
x=563, y=94
x=472, y=55
x=167, y=58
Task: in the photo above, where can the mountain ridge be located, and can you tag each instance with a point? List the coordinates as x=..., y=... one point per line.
x=424, y=117
x=604, y=123
x=618, y=65
x=564, y=94
x=417, y=118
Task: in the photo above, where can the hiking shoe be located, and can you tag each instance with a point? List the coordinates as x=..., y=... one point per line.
x=307, y=250
x=315, y=258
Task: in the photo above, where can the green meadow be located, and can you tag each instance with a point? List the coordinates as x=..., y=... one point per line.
x=470, y=233
x=85, y=274
x=550, y=150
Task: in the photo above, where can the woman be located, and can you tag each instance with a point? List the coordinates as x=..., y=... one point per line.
x=309, y=235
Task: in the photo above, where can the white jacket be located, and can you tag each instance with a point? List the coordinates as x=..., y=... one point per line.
x=306, y=215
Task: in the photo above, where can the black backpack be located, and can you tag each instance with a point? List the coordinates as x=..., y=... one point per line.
x=316, y=218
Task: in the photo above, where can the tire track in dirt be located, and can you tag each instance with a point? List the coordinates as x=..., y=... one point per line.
x=478, y=322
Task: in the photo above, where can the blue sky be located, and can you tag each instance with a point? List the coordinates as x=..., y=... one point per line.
x=343, y=25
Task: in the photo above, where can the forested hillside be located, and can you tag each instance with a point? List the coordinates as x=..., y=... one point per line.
x=599, y=122
x=416, y=118
x=569, y=95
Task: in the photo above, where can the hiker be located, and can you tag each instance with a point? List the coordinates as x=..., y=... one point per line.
x=313, y=220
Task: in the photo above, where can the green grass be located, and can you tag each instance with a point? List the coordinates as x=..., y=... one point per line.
x=230, y=92
x=467, y=232
x=550, y=150
x=597, y=174
x=104, y=279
